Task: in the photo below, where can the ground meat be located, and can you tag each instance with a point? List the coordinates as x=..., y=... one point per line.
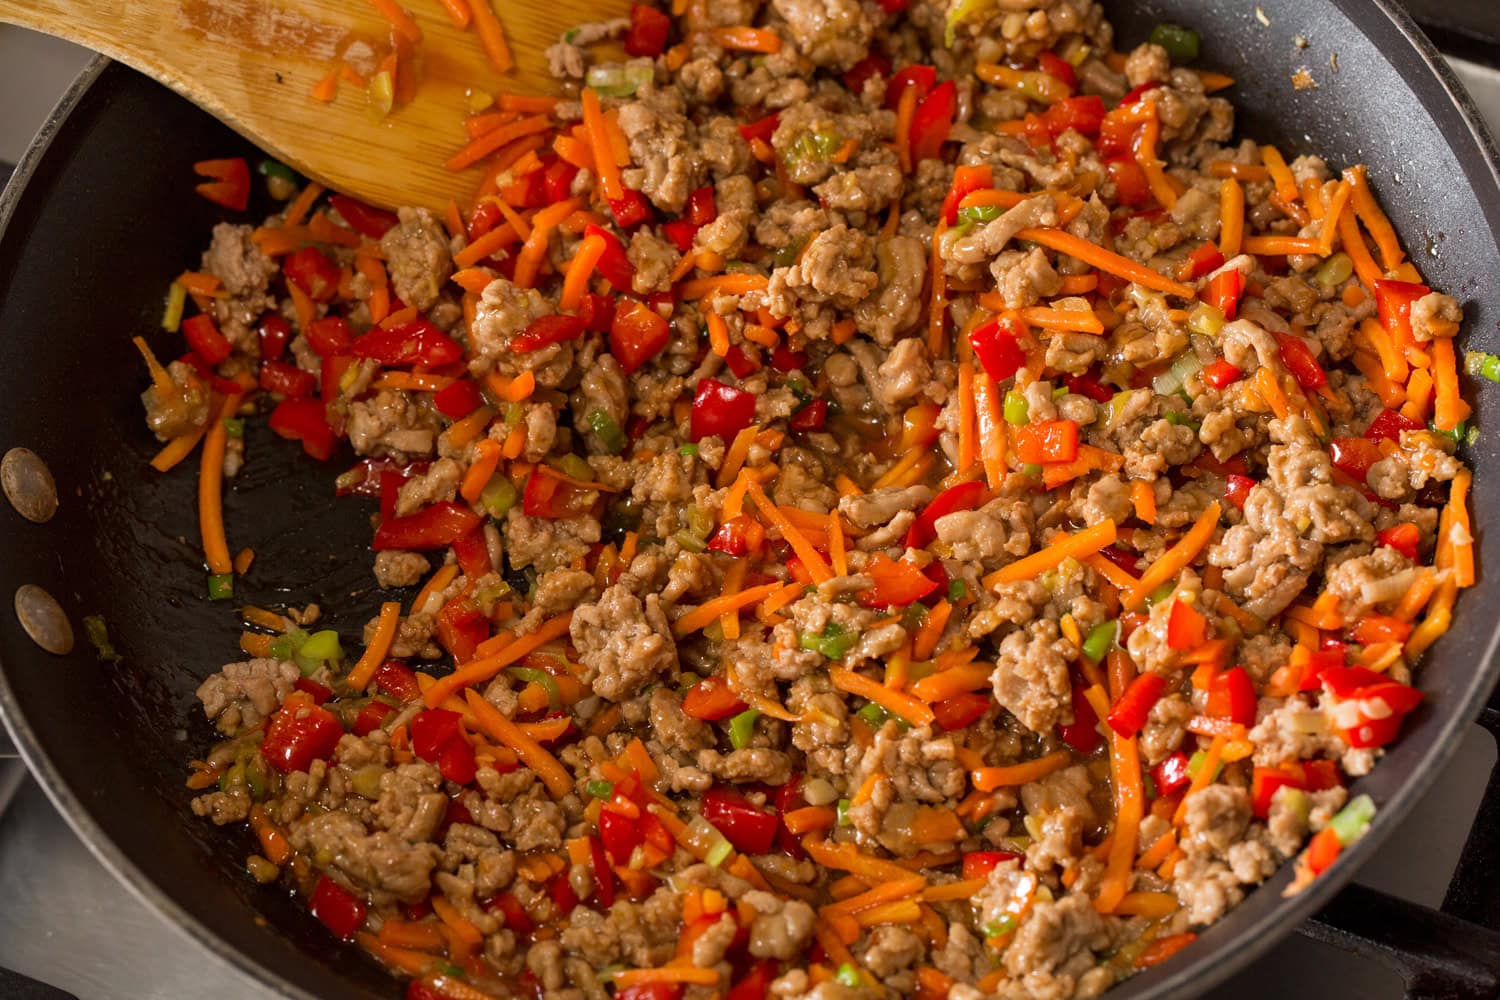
x=398, y=568
x=653, y=260
x=1023, y=278
x=1435, y=315
x=666, y=167
x=391, y=424
x=237, y=262
x=505, y=310
x=601, y=391
x=547, y=543
x=833, y=268
x=242, y=694
x=866, y=510
x=832, y=33
x=622, y=643
x=1147, y=62
x=417, y=257
x=1055, y=945
x=893, y=378
x=897, y=300
x=1031, y=676
x=439, y=482
x=181, y=409
x=382, y=863
x=781, y=928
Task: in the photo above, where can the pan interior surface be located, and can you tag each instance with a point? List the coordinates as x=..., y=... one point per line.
x=107, y=218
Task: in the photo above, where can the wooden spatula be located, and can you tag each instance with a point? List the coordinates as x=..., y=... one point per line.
x=254, y=64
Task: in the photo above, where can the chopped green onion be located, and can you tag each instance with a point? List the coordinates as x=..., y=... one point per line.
x=957, y=591
x=1017, y=410
x=220, y=586
x=600, y=789
x=234, y=426
x=1059, y=392
x=814, y=146
x=690, y=541
x=742, y=728
x=1181, y=43
x=615, y=80
x=787, y=256
x=1150, y=784
x=690, y=450
x=1334, y=271
x=1457, y=435
x=1175, y=378
x=98, y=635
x=874, y=714
x=541, y=679
x=320, y=647
x=171, y=319
x=833, y=642
x=608, y=431
x=282, y=181
x=284, y=647
x=843, y=812
x=498, y=496
x=514, y=414
x=1195, y=763
x=980, y=213
x=1031, y=469
x=1000, y=927
x=1353, y=820
x=1177, y=419
x=1161, y=593
x=1205, y=320
x=575, y=466
x=1100, y=640
x=848, y=975
x=1482, y=364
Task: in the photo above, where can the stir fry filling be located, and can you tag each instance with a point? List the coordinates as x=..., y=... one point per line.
x=874, y=499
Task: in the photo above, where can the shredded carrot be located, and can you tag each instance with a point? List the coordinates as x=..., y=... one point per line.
x=302, y=204
x=837, y=551
x=1280, y=174
x=1154, y=905
x=913, y=711
x=987, y=779
x=1331, y=216
x=273, y=840
x=175, y=450
x=436, y=584
x=458, y=12
x=481, y=146
x=455, y=921
x=1158, y=851
x=492, y=36
x=945, y=684
x=326, y=88
x=1081, y=543
x=1457, y=541
x=1231, y=217
x=496, y=726
x=1273, y=246
x=1143, y=498
x=1353, y=242
x=627, y=978
x=847, y=857
x=374, y=655
x=423, y=935
x=1076, y=320
x=1448, y=408
x=413, y=963
x=609, y=171
x=1242, y=171
x=461, y=432
x=811, y=558
x=1270, y=390
x=906, y=109
x=718, y=332
x=1439, y=617
x=530, y=104
x=735, y=455
x=746, y=39
x=1105, y=260
x=399, y=19
x=210, y=490
x=924, y=643
x=1145, y=156
x=1369, y=212
x=967, y=426
x=264, y=618
x=1130, y=803
x=810, y=819
x=706, y=612
x=486, y=461
x=534, y=250
x=585, y=260
x=1205, y=776
x=1174, y=560
x=938, y=306
x=488, y=665
x=724, y=284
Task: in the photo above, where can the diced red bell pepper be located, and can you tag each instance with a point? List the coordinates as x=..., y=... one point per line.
x=287, y=380
x=1130, y=713
x=966, y=180
x=416, y=343
x=749, y=828
x=298, y=734
x=597, y=312
x=458, y=399
x=203, y=336
x=456, y=761
x=1221, y=374
x=897, y=583
x=544, y=331
x=979, y=864
x=230, y=184
x=370, y=717
x=755, y=984
x=923, y=78
x=548, y=496
x=1299, y=360
x=681, y=233
x=1224, y=291
x=876, y=63
x=1354, y=456
x=960, y=710
x=998, y=347
x=1082, y=734
x=784, y=359
x=329, y=336
x=1237, y=488
x=398, y=680
x=701, y=208
x=630, y=209
x=432, y=527
x=363, y=479
x=1047, y=441
x=1264, y=783
x=1204, y=259
x=313, y=271
x=740, y=362
x=367, y=220
x=738, y=536
x=637, y=334
x=431, y=730
x=810, y=417
x=527, y=191
x=1187, y=628
x=275, y=334
x=788, y=799
x=620, y=834
x=604, y=876
x=1127, y=561
x=557, y=180
x=1393, y=302
x=712, y=699
x=1117, y=134
x=337, y=908
x=1346, y=682
x=1388, y=425
x=932, y=120
x=1131, y=186
x=1171, y=775
x=313, y=689
x=1055, y=65
x=1089, y=386
x=305, y=420
x=1084, y=115
x=648, y=32
x=1323, y=850
x=460, y=628
x=1404, y=538
x=720, y=410
x=964, y=496
x=560, y=891
x=1231, y=695
x=614, y=264
x=473, y=553
x=761, y=129
x=510, y=908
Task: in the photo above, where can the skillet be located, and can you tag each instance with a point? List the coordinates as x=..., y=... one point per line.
x=100, y=217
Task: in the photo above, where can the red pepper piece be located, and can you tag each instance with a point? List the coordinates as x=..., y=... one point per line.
x=432, y=527
x=367, y=220
x=875, y=64
x=305, y=420
x=1388, y=425
x=1323, y=850
x=287, y=380
x=275, y=334
x=329, y=336
x=917, y=75
x=810, y=417
x=299, y=734
x=630, y=209
x=560, y=891
x=960, y=710
x=966, y=180
x=1231, y=695
x=416, y=343
x=897, y=584
x=1224, y=291
x=1221, y=374
x=456, y=761
x=203, y=336
x=720, y=410
x=1204, y=259
x=458, y=399
x=761, y=129
x=398, y=680
x=648, y=32
x=964, y=496
x=1130, y=713
x=337, y=908
x=1089, y=386
x=1374, y=628
x=597, y=312
x=313, y=271
x=1136, y=93
x=363, y=478
x=1131, y=186
x=701, y=208
x=932, y=120
x=712, y=699
x=1055, y=65
x=1047, y=441
x=1393, y=301
x=544, y=331
x=313, y=689
x=637, y=333
x=370, y=717
x=1084, y=115
x=621, y=835
x=509, y=907
x=1354, y=456
x=998, y=348
x=755, y=984
x=557, y=181
x=1082, y=734
x=1186, y=627
x=431, y=730
x=750, y=829
x=1237, y=488
x=681, y=233
x=741, y=362
x=979, y=864
x=1171, y=775
x=473, y=553
x=604, y=876
x=461, y=627
x=548, y=496
x=738, y=536
x=1404, y=538
x=230, y=186
x=1299, y=360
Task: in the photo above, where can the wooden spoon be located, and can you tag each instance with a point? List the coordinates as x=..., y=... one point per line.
x=253, y=64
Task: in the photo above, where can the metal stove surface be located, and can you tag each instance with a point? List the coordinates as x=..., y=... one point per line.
x=66, y=922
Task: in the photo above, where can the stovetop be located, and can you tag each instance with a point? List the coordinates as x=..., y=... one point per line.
x=66, y=922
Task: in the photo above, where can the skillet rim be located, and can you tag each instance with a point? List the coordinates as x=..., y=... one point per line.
x=1190, y=978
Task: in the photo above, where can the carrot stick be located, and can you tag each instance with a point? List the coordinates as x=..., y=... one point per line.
x=529, y=260
x=924, y=644
x=1104, y=260
x=884, y=892
x=1079, y=544
x=955, y=680
x=1353, y=242
x=1231, y=217
x=480, y=670
x=399, y=20
x=175, y=450
x=380, y=644
x=496, y=726
x=991, y=424
x=1331, y=216
x=718, y=333
x=724, y=284
x=1242, y=171
x=210, y=490
x=1205, y=776
x=666, y=974
x=846, y=857
x=1280, y=173
x=906, y=109
x=1075, y=320
x=811, y=558
x=1175, y=559
x=1143, y=498
x=735, y=455
x=478, y=148
x=1448, y=409
x=741, y=38
x=706, y=612
x=423, y=935
x=938, y=307
x=579, y=271
x=810, y=819
x=987, y=779
x=458, y=12
x=528, y=103
x=492, y=37
x=1125, y=770
x=272, y=838
x=1369, y=212
x=326, y=88
x=967, y=446
x=413, y=963
x=486, y=460
x=904, y=705
x=301, y=205
x=1274, y=246
x=438, y=581
x=455, y=921
x=604, y=160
